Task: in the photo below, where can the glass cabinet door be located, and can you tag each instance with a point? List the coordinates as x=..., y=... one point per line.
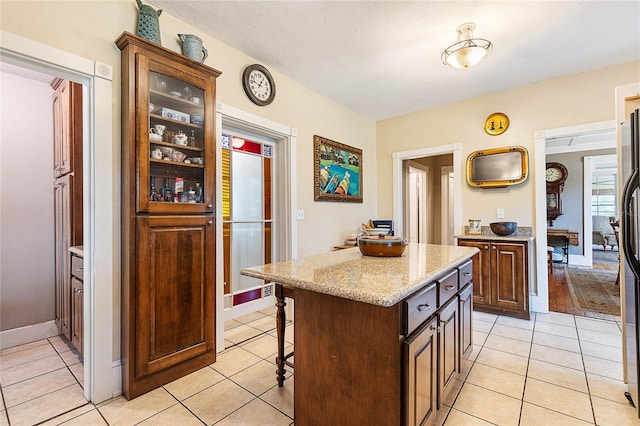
x=175, y=140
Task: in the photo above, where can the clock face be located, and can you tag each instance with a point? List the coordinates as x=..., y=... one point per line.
x=258, y=84
x=553, y=174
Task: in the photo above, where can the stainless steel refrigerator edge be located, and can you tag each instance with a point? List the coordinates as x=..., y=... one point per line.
x=630, y=229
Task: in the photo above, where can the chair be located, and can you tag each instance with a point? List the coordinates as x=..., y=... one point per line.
x=603, y=233
x=387, y=224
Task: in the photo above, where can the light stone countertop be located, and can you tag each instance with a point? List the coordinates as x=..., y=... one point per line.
x=382, y=281
x=522, y=233
x=77, y=250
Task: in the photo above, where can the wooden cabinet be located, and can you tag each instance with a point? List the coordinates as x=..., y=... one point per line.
x=67, y=192
x=448, y=348
x=62, y=202
x=67, y=128
x=465, y=309
x=77, y=302
x=168, y=228
x=435, y=351
x=421, y=364
x=500, y=277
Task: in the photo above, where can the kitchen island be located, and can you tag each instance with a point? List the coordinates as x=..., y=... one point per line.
x=377, y=340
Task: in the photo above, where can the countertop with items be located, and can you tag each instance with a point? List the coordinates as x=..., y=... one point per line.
x=382, y=281
x=522, y=233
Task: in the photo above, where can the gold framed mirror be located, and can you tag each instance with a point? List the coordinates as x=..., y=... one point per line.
x=497, y=167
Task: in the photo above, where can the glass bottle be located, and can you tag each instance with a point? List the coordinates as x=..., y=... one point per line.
x=167, y=195
x=192, y=138
x=153, y=194
x=191, y=195
x=199, y=193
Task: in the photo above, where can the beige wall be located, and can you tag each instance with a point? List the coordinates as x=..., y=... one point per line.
x=565, y=101
x=89, y=29
x=27, y=274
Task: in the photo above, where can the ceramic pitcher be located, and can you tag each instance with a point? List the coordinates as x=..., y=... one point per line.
x=148, y=23
x=192, y=47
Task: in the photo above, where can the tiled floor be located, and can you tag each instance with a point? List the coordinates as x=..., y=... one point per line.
x=556, y=369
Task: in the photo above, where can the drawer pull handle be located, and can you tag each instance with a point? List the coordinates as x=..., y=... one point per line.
x=80, y=269
x=443, y=322
x=423, y=308
x=209, y=206
x=449, y=287
x=78, y=291
x=466, y=274
x=486, y=247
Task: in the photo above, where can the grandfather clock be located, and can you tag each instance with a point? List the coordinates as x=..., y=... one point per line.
x=556, y=175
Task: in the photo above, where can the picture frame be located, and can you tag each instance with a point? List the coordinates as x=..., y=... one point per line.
x=337, y=171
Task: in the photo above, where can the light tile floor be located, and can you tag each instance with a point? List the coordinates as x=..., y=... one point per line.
x=556, y=369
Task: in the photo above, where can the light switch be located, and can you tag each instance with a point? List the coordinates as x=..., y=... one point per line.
x=500, y=213
x=300, y=214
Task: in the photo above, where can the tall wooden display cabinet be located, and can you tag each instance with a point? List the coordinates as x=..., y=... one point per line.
x=168, y=223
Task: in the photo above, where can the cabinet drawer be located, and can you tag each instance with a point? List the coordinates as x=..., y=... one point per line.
x=466, y=274
x=77, y=267
x=419, y=307
x=448, y=286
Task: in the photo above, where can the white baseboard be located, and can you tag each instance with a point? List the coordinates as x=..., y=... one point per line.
x=538, y=305
x=27, y=334
x=116, y=374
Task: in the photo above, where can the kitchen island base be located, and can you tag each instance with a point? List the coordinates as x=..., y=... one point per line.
x=378, y=341
x=363, y=364
x=348, y=362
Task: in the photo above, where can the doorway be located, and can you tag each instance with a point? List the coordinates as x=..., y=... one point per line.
x=435, y=158
x=416, y=186
x=565, y=141
x=266, y=230
x=100, y=216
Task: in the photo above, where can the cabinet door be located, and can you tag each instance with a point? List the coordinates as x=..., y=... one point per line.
x=67, y=127
x=63, y=216
x=481, y=271
x=172, y=332
x=509, y=276
x=175, y=138
x=421, y=357
x=448, y=349
x=465, y=300
x=77, y=303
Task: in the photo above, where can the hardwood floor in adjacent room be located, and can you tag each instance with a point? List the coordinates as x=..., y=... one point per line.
x=559, y=297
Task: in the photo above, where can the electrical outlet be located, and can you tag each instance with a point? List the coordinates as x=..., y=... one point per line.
x=500, y=213
x=300, y=214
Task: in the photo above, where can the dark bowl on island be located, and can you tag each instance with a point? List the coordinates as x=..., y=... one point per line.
x=503, y=228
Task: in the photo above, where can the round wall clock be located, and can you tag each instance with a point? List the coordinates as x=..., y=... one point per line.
x=555, y=174
x=258, y=84
x=496, y=124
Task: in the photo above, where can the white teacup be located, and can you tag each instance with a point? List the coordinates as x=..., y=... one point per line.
x=160, y=128
x=157, y=154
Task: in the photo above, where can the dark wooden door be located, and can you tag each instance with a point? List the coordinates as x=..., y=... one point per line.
x=67, y=127
x=509, y=275
x=466, y=318
x=448, y=348
x=62, y=190
x=481, y=271
x=172, y=324
x=77, y=304
x=421, y=357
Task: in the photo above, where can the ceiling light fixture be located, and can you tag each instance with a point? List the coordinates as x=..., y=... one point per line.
x=467, y=51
